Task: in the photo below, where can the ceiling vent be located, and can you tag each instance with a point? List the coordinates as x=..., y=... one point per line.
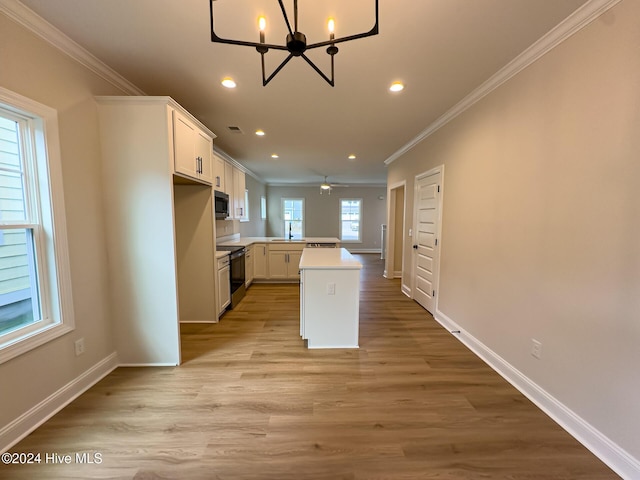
x=234, y=129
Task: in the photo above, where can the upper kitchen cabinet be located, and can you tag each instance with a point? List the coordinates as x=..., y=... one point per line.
x=239, y=186
x=218, y=173
x=193, y=148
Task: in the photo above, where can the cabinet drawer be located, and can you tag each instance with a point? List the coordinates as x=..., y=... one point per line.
x=223, y=262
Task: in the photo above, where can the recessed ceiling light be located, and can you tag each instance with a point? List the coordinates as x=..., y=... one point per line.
x=275, y=155
x=352, y=157
x=260, y=133
x=396, y=86
x=228, y=82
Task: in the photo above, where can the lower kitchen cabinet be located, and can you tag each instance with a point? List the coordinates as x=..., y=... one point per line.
x=259, y=261
x=224, y=284
x=284, y=261
x=248, y=266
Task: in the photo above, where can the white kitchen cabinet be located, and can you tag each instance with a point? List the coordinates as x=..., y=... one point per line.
x=218, y=173
x=224, y=284
x=228, y=183
x=193, y=149
x=284, y=260
x=239, y=186
x=260, y=261
x=248, y=266
x=146, y=267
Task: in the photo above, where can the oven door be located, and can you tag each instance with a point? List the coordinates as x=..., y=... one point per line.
x=237, y=277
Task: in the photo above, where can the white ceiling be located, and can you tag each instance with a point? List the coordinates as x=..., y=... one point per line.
x=441, y=49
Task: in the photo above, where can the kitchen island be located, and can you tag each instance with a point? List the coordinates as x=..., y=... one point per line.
x=329, y=298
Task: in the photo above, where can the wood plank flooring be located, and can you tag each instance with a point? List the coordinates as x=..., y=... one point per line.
x=251, y=402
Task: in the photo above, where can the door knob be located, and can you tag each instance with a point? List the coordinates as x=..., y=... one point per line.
x=415, y=247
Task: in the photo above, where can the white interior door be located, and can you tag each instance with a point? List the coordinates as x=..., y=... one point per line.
x=428, y=203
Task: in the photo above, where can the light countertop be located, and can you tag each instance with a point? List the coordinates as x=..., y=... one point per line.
x=328, y=259
x=221, y=254
x=246, y=241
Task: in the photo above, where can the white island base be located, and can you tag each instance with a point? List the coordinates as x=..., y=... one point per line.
x=329, y=298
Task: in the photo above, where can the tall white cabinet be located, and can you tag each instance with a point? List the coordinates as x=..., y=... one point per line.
x=148, y=261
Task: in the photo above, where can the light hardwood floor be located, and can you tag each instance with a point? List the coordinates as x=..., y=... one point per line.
x=251, y=402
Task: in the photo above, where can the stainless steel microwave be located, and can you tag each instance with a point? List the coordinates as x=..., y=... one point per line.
x=221, y=204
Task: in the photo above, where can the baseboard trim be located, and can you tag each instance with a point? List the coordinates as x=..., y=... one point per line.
x=406, y=290
x=618, y=459
x=43, y=411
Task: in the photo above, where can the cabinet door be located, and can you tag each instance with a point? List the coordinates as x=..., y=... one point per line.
x=203, y=152
x=183, y=146
x=239, y=187
x=192, y=149
x=248, y=267
x=278, y=264
x=228, y=182
x=293, y=264
x=218, y=173
x=224, y=288
x=259, y=260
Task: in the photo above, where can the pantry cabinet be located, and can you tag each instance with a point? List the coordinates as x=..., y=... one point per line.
x=159, y=225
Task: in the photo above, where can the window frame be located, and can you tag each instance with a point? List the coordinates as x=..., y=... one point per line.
x=284, y=222
x=360, y=209
x=263, y=207
x=42, y=163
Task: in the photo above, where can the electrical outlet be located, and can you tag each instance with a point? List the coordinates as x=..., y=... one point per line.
x=536, y=348
x=79, y=344
x=331, y=288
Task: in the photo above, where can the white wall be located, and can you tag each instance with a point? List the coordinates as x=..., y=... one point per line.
x=541, y=223
x=322, y=212
x=35, y=69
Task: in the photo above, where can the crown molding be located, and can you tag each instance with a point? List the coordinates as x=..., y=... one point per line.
x=579, y=19
x=30, y=20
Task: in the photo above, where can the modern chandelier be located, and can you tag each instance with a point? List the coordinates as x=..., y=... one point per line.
x=295, y=42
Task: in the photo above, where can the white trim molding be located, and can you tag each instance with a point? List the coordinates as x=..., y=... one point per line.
x=619, y=460
x=26, y=17
x=579, y=19
x=26, y=423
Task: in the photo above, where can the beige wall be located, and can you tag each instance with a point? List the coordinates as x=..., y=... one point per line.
x=541, y=221
x=322, y=212
x=34, y=69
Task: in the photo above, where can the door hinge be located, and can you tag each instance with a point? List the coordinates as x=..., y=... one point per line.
x=436, y=242
x=438, y=188
x=433, y=294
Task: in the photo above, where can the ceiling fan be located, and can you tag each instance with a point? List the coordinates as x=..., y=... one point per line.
x=325, y=186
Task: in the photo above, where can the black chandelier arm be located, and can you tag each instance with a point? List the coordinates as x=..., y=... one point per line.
x=320, y=72
x=216, y=39
x=373, y=31
x=275, y=72
x=286, y=17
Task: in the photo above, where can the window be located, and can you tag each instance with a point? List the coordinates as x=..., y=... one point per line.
x=33, y=255
x=350, y=215
x=263, y=207
x=293, y=215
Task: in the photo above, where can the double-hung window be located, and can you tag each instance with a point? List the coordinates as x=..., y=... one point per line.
x=35, y=299
x=350, y=219
x=293, y=216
